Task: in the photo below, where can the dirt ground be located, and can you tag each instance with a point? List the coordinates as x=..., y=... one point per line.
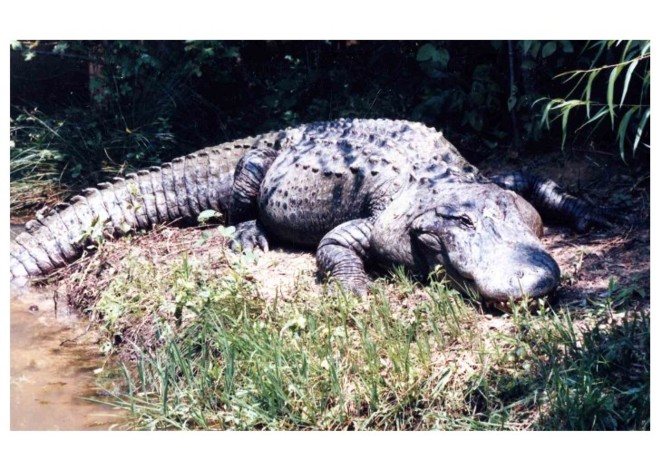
x=590, y=263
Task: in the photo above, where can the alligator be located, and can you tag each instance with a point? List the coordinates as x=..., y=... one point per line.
x=362, y=192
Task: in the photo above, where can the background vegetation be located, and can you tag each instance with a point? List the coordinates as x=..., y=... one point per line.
x=82, y=110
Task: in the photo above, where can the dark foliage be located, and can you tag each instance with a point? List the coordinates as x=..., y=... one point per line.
x=84, y=109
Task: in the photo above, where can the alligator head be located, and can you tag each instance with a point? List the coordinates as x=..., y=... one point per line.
x=486, y=239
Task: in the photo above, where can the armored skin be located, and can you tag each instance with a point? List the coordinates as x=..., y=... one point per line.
x=361, y=192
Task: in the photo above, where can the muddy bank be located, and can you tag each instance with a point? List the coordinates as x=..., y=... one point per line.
x=53, y=365
x=54, y=358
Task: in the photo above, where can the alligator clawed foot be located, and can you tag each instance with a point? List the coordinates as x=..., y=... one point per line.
x=247, y=236
x=355, y=288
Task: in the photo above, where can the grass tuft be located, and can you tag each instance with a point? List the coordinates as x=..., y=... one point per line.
x=211, y=352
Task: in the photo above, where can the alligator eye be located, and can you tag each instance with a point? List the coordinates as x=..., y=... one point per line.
x=451, y=215
x=465, y=221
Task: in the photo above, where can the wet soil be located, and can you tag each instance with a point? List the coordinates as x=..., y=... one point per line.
x=53, y=363
x=53, y=360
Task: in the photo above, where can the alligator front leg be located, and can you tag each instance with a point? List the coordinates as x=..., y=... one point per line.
x=553, y=202
x=247, y=179
x=249, y=235
x=342, y=253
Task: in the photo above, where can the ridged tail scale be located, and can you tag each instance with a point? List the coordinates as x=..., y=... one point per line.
x=176, y=191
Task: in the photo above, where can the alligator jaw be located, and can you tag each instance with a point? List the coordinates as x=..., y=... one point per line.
x=528, y=273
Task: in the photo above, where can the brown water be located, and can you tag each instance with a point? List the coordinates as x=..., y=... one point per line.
x=53, y=366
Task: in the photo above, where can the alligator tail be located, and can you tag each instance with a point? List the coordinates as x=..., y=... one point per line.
x=554, y=203
x=175, y=192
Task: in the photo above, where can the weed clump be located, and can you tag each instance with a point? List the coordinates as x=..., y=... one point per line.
x=202, y=346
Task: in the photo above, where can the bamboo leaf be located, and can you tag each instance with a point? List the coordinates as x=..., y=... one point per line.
x=588, y=89
x=602, y=46
x=626, y=49
x=564, y=125
x=602, y=112
x=622, y=129
x=546, y=112
x=641, y=127
x=630, y=70
x=645, y=49
x=611, y=89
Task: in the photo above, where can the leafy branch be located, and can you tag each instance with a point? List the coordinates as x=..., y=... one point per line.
x=631, y=118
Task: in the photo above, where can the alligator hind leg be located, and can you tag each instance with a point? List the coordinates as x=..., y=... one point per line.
x=553, y=202
x=342, y=253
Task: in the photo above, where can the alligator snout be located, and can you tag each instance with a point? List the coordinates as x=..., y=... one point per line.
x=525, y=272
x=535, y=281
